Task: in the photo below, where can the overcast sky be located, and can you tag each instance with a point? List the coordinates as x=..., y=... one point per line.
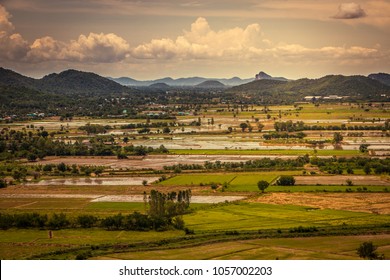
x=219, y=38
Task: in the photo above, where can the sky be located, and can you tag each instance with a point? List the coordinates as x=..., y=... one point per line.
x=216, y=39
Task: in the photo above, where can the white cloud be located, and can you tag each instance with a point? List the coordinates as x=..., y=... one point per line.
x=350, y=11
x=96, y=48
x=12, y=45
x=203, y=42
x=239, y=44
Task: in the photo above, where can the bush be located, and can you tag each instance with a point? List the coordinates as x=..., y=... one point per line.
x=262, y=185
x=86, y=221
x=58, y=221
x=367, y=251
x=3, y=183
x=286, y=180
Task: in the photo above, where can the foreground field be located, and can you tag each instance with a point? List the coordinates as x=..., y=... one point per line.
x=254, y=216
x=310, y=248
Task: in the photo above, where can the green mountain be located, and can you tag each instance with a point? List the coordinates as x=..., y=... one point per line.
x=350, y=87
x=381, y=77
x=72, y=81
x=67, y=82
x=11, y=78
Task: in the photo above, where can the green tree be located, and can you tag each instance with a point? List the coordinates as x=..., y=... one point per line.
x=286, y=180
x=367, y=251
x=367, y=169
x=337, y=138
x=243, y=126
x=363, y=148
x=262, y=185
x=3, y=183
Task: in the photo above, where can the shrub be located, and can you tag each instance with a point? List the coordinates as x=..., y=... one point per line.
x=262, y=185
x=286, y=180
x=86, y=221
x=3, y=183
x=367, y=251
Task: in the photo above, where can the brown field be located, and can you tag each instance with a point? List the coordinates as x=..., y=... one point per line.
x=341, y=179
x=358, y=202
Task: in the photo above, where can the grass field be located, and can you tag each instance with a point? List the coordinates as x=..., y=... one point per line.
x=311, y=248
x=237, y=181
x=21, y=244
x=252, y=216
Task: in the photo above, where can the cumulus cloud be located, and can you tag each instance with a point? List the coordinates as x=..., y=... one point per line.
x=12, y=45
x=202, y=42
x=350, y=11
x=95, y=47
x=238, y=44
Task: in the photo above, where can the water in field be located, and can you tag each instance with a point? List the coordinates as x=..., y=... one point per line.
x=125, y=181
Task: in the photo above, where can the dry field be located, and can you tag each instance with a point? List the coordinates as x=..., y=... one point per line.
x=358, y=202
x=341, y=179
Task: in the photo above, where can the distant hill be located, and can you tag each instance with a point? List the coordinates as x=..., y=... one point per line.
x=181, y=82
x=384, y=78
x=66, y=82
x=211, y=84
x=355, y=87
x=162, y=86
x=264, y=76
x=72, y=81
x=11, y=78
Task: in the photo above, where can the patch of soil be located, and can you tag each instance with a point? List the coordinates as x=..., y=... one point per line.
x=378, y=203
x=359, y=180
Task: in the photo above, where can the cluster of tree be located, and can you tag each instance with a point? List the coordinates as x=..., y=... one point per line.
x=290, y=126
x=141, y=151
x=95, y=128
x=367, y=250
x=286, y=180
x=22, y=144
x=150, y=125
x=283, y=135
x=167, y=206
x=340, y=165
x=34, y=220
x=264, y=163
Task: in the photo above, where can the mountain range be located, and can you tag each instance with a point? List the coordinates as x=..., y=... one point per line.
x=350, y=87
x=181, y=82
x=73, y=81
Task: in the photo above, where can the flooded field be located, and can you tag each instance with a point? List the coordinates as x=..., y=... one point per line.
x=125, y=181
x=119, y=198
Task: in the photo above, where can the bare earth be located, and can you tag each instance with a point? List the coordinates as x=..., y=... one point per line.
x=341, y=179
x=359, y=202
